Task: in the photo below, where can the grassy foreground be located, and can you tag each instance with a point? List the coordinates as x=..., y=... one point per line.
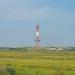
x=37, y=62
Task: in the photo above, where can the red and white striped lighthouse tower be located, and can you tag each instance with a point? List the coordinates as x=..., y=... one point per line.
x=37, y=39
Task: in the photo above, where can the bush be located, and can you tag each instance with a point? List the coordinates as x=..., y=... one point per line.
x=10, y=70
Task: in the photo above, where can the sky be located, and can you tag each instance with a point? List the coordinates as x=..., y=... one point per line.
x=18, y=19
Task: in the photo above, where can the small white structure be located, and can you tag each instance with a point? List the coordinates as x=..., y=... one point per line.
x=54, y=48
x=60, y=49
x=51, y=49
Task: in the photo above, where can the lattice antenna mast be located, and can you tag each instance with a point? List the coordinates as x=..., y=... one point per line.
x=37, y=39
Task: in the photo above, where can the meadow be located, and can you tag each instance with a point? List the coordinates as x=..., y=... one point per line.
x=37, y=62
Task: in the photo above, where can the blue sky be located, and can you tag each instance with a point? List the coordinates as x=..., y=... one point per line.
x=18, y=19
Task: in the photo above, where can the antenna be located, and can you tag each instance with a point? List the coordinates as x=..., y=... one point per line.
x=37, y=37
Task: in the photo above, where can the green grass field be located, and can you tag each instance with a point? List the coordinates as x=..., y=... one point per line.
x=37, y=62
